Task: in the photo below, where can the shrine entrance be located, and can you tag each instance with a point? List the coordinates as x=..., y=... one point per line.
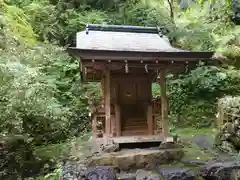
x=133, y=98
x=134, y=120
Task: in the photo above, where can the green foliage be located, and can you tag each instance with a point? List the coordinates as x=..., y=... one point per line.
x=141, y=14
x=193, y=97
x=18, y=158
x=25, y=98
x=42, y=98
x=50, y=176
x=15, y=20
x=43, y=19
x=60, y=22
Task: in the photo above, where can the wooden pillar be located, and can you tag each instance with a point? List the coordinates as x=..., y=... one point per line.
x=155, y=125
x=107, y=102
x=164, y=105
x=94, y=125
x=113, y=125
x=102, y=87
x=150, y=119
x=118, y=120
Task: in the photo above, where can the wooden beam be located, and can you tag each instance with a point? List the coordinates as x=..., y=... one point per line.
x=121, y=66
x=118, y=120
x=164, y=105
x=107, y=102
x=115, y=65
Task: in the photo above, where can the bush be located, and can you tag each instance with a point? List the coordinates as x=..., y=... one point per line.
x=193, y=96
x=17, y=158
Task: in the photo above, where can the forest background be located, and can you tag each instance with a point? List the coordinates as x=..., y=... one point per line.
x=42, y=99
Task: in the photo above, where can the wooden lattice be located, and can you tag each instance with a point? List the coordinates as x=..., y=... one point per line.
x=100, y=126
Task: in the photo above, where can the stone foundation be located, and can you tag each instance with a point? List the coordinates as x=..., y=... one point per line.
x=136, y=158
x=211, y=170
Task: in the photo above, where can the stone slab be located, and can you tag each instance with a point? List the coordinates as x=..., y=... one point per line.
x=136, y=158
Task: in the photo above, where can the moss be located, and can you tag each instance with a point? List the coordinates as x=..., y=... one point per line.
x=74, y=147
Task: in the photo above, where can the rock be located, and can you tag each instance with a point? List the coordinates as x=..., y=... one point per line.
x=101, y=173
x=219, y=170
x=136, y=159
x=73, y=171
x=169, y=145
x=179, y=173
x=110, y=148
x=127, y=176
x=146, y=175
x=223, y=157
x=203, y=141
x=78, y=171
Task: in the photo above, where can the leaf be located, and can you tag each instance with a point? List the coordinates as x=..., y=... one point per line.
x=222, y=75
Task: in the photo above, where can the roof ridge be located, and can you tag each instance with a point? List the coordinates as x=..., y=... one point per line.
x=124, y=28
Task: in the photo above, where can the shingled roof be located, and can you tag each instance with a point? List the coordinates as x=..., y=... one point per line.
x=124, y=38
x=117, y=42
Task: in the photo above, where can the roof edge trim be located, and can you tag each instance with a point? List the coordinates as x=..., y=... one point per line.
x=124, y=28
x=137, y=54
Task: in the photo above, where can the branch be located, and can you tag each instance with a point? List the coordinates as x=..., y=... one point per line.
x=170, y=2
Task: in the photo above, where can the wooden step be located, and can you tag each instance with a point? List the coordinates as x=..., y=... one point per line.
x=135, y=122
x=134, y=133
x=134, y=127
x=135, y=119
x=135, y=130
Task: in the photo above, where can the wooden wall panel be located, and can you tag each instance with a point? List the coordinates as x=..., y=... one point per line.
x=131, y=89
x=128, y=93
x=114, y=91
x=144, y=91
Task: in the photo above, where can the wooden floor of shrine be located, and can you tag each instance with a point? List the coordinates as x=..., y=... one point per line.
x=138, y=139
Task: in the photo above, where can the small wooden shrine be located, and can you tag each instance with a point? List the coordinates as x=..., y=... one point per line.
x=126, y=60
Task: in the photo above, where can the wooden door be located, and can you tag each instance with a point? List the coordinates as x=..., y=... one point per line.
x=128, y=93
